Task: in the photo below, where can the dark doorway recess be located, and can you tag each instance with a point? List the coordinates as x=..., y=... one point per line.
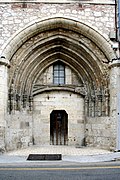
x=58, y=127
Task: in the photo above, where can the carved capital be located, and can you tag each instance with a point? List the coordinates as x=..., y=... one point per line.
x=80, y=90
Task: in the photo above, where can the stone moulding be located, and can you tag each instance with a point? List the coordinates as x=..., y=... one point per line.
x=37, y=89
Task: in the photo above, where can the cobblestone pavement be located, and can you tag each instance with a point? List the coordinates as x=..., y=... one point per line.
x=64, y=150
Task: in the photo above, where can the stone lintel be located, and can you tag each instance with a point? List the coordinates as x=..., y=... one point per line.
x=42, y=88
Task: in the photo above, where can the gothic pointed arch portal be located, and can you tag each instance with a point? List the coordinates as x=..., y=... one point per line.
x=85, y=54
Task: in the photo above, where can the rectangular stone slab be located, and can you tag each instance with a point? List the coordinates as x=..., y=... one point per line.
x=42, y=157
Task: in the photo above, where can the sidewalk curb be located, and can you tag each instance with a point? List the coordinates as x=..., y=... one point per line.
x=7, y=159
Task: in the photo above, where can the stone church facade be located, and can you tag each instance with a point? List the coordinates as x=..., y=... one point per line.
x=59, y=74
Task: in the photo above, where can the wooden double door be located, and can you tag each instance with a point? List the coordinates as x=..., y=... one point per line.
x=58, y=127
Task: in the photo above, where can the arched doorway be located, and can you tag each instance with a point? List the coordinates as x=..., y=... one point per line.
x=58, y=127
x=86, y=54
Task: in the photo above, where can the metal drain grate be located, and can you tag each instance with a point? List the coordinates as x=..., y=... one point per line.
x=43, y=157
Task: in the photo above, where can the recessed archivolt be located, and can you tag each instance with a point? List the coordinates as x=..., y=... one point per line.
x=37, y=71
x=58, y=40
x=30, y=47
x=37, y=65
x=78, y=52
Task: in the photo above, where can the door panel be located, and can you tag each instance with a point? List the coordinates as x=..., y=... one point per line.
x=58, y=127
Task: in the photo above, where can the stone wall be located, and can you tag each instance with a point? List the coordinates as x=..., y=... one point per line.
x=61, y=1
x=15, y=16
x=100, y=132
x=19, y=131
x=3, y=100
x=45, y=103
x=24, y=129
x=115, y=98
